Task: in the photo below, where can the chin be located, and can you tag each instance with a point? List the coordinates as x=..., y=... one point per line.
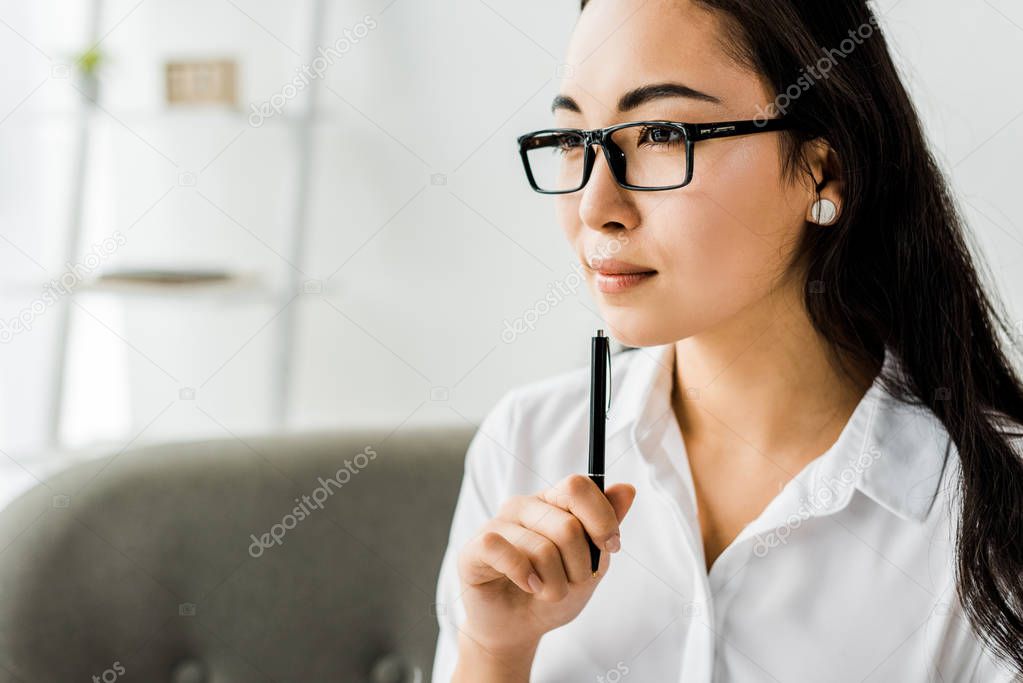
x=638, y=327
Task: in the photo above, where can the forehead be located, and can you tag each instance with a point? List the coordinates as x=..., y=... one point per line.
x=618, y=45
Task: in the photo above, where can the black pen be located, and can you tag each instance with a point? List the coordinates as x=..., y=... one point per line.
x=598, y=396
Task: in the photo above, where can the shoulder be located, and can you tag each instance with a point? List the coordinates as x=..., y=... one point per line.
x=948, y=470
x=547, y=405
x=541, y=427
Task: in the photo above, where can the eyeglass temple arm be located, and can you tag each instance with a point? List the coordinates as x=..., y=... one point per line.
x=727, y=129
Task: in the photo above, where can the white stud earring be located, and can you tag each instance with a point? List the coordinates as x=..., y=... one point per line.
x=824, y=212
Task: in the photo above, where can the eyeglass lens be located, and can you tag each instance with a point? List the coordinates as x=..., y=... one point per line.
x=654, y=156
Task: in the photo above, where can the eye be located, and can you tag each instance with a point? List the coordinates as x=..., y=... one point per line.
x=568, y=143
x=660, y=136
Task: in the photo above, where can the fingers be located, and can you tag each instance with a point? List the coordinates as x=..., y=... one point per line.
x=580, y=496
x=491, y=556
x=621, y=497
x=545, y=556
x=559, y=527
x=539, y=542
x=527, y=558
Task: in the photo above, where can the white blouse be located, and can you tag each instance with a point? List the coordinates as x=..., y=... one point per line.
x=847, y=575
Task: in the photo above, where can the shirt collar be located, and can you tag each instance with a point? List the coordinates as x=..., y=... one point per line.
x=893, y=452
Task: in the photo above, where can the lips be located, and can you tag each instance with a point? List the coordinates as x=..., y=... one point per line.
x=613, y=276
x=616, y=267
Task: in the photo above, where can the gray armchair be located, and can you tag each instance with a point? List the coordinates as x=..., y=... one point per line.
x=235, y=560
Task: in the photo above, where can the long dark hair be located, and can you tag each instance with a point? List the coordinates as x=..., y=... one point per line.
x=895, y=271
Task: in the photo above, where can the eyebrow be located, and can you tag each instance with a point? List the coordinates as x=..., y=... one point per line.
x=638, y=96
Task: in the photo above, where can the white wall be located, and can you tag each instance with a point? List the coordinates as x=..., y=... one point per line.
x=421, y=229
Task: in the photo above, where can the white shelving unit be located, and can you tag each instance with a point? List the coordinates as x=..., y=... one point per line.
x=252, y=289
x=73, y=240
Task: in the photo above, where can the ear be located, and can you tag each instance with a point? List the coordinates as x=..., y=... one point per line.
x=825, y=183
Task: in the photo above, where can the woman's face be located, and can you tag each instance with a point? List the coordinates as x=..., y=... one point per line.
x=723, y=242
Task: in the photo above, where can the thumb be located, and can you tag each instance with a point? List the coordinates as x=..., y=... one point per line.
x=621, y=496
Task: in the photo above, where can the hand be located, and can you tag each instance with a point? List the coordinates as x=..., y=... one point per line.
x=527, y=571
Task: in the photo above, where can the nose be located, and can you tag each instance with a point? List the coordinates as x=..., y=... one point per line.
x=605, y=205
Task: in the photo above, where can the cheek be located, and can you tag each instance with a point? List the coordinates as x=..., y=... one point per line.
x=744, y=216
x=720, y=244
x=730, y=235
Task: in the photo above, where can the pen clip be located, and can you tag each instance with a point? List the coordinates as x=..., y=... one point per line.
x=607, y=409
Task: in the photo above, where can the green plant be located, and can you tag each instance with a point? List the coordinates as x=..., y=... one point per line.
x=89, y=61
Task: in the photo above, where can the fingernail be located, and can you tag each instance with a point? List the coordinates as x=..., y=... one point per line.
x=613, y=544
x=535, y=583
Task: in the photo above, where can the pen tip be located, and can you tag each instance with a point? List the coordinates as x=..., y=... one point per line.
x=600, y=333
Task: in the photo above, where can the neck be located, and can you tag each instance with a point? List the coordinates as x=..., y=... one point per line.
x=764, y=384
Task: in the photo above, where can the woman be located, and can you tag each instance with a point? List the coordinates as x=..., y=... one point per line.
x=816, y=443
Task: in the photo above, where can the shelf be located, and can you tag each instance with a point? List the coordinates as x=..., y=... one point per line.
x=169, y=115
x=238, y=286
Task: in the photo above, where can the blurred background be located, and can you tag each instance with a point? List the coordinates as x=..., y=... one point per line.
x=232, y=217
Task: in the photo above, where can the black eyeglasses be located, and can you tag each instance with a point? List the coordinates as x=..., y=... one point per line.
x=642, y=155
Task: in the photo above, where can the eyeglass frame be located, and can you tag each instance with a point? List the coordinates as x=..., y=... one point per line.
x=692, y=132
